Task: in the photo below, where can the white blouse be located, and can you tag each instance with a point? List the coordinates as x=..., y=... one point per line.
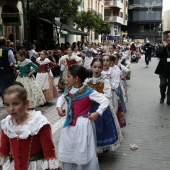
x=114, y=75
x=95, y=96
x=72, y=57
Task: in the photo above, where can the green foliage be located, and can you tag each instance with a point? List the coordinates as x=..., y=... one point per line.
x=90, y=20
x=103, y=28
x=49, y=9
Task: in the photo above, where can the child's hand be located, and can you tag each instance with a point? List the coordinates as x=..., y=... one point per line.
x=61, y=112
x=93, y=116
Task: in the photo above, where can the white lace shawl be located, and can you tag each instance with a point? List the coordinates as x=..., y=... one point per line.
x=24, y=63
x=46, y=61
x=32, y=128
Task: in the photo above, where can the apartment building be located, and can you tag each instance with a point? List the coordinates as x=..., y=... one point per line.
x=116, y=12
x=13, y=6
x=145, y=17
x=165, y=24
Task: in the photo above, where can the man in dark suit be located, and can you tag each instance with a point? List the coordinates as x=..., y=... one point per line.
x=7, y=62
x=163, y=69
x=148, y=49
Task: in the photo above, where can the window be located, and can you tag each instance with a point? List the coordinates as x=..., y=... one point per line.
x=143, y=15
x=121, y=14
x=107, y=12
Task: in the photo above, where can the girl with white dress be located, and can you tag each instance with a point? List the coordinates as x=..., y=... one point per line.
x=77, y=144
x=44, y=78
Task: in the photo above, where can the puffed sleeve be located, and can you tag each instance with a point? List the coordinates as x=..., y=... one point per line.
x=101, y=99
x=115, y=79
x=61, y=101
x=4, y=148
x=50, y=160
x=107, y=89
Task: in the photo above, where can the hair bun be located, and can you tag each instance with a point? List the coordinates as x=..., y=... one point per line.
x=17, y=83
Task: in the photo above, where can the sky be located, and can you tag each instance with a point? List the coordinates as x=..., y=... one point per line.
x=166, y=5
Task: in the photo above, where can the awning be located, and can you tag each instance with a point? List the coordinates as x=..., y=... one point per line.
x=65, y=27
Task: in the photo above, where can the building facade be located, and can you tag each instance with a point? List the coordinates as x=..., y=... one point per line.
x=116, y=13
x=96, y=6
x=12, y=6
x=165, y=24
x=144, y=19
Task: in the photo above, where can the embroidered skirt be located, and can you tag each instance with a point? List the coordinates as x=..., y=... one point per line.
x=108, y=131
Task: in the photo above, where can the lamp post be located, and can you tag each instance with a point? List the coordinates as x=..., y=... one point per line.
x=160, y=36
x=26, y=22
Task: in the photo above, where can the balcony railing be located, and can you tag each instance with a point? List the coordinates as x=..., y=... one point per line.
x=113, y=3
x=116, y=19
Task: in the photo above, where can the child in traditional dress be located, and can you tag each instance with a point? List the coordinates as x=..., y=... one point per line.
x=113, y=74
x=109, y=136
x=77, y=144
x=44, y=78
x=67, y=61
x=26, y=68
x=26, y=137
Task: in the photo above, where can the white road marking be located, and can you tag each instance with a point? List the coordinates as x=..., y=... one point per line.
x=56, y=126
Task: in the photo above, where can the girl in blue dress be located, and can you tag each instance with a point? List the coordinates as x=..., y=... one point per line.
x=109, y=136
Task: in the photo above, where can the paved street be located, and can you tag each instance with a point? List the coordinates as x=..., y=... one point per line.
x=148, y=125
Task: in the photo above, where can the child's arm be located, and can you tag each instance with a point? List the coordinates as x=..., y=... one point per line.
x=60, y=102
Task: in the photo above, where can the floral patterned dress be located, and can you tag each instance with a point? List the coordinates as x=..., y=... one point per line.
x=35, y=94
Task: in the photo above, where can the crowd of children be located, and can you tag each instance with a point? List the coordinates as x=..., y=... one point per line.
x=95, y=90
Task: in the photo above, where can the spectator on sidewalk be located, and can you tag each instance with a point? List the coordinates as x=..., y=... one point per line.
x=163, y=69
x=7, y=62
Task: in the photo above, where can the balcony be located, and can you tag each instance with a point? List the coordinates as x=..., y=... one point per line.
x=113, y=3
x=115, y=19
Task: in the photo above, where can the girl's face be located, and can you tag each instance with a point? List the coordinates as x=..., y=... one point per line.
x=69, y=51
x=97, y=69
x=106, y=62
x=76, y=49
x=42, y=55
x=117, y=48
x=111, y=49
x=71, y=80
x=15, y=106
x=20, y=58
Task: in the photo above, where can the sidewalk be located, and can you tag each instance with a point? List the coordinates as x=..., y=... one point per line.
x=148, y=125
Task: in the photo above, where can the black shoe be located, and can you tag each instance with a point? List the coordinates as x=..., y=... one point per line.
x=168, y=102
x=161, y=100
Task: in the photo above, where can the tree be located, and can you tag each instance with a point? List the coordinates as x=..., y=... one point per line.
x=90, y=20
x=103, y=27
x=49, y=9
